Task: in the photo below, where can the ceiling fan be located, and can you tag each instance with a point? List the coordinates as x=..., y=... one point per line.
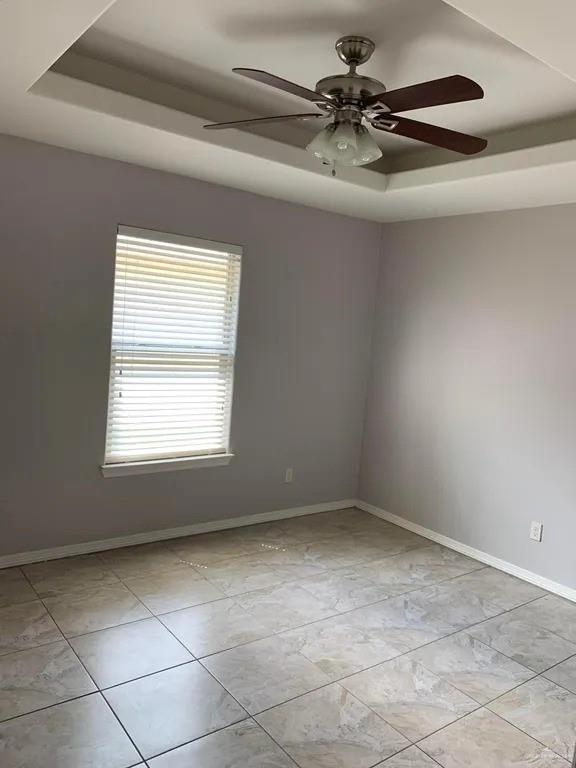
x=349, y=99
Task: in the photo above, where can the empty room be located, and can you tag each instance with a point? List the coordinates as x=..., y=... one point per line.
x=288, y=297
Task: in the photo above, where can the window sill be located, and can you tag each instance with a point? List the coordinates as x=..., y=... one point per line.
x=165, y=465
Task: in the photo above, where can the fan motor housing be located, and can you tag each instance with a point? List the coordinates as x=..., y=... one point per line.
x=349, y=88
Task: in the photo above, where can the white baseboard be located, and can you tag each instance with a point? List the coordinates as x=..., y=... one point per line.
x=86, y=547
x=477, y=554
x=68, y=550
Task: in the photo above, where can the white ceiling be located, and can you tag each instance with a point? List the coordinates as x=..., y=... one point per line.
x=195, y=44
x=519, y=50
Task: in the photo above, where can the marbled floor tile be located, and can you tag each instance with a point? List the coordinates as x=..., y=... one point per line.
x=312, y=527
x=242, y=574
x=483, y=740
x=300, y=560
x=340, y=647
x=409, y=758
x=265, y=673
x=409, y=697
x=353, y=549
x=497, y=590
x=345, y=523
x=214, y=627
x=342, y=518
x=564, y=674
x=376, y=545
x=26, y=625
x=14, y=588
x=554, y=613
x=408, y=621
x=173, y=590
x=532, y=646
x=284, y=607
x=417, y=568
x=40, y=677
x=264, y=537
x=82, y=612
x=141, y=560
x=344, y=589
x=450, y=606
x=123, y=653
x=545, y=711
x=69, y=574
x=472, y=667
x=244, y=745
x=352, y=520
x=77, y=734
x=357, y=548
x=170, y=708
x=210, y=548
x=329, y=728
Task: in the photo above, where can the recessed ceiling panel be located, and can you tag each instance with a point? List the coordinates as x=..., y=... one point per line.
x=195, y=44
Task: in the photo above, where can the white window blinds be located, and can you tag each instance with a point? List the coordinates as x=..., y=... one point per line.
x=173, y=342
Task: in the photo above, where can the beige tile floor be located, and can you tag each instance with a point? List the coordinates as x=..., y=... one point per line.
x=334, y=640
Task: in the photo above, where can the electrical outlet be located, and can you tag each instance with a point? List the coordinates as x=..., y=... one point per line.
x=536, y=531
x=289, y=475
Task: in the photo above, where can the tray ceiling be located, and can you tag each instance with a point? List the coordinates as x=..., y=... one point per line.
x=136, y=79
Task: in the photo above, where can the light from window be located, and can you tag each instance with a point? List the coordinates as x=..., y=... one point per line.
x=173, y=344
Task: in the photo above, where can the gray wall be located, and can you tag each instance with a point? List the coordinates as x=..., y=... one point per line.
x=471, y=413
x=470, y=422
x=306, y=311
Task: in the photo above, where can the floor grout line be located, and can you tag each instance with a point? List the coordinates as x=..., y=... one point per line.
x=219, y=730
x=252, y=591
x=250, y=716
x=97, y=691
x=338, y=613
x=278, y=633
x=287, y=629
x=525, y=733
x=173, y=635
x=197, y=738
x=111, y=708
x=426, y=754
x=122, y=580
x=283, y=749
x=101, y=690
x=419, y=743
x=330, y=569
x=50, y=706
x=338, y=681
x=402, y=653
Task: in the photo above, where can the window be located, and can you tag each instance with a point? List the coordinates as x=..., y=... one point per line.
x=172, y=357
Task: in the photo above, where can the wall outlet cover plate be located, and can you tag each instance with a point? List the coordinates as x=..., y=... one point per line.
x=536, y=531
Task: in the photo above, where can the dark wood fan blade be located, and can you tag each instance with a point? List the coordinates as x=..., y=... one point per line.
x=260, y=120
x=283, y=85
x=432, y=134
x=446, y=90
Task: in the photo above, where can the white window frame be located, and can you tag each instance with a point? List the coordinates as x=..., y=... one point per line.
x=167, y=464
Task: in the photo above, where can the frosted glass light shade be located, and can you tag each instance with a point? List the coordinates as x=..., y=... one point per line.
x=320, y=144
x=367, y=149
x=345, y=143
